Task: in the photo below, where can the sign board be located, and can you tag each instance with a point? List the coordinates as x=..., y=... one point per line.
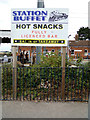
x=39, y=27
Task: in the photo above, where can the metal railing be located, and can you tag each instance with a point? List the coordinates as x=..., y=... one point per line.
x=46, y=84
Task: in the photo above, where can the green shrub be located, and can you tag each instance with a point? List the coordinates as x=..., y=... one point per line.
x=33, y=79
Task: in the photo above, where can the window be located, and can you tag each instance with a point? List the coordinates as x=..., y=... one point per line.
x=85, y=52
x=46, y=51
x=53, y=50
x=72, y=52
x=6, y=40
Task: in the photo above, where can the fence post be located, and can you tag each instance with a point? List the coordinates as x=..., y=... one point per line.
x=14, y=72
x=63, y=71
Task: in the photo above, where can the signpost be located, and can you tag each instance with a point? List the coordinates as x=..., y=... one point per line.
x=14, y=72
x=40, y=4
x=63, y=70
x=41, y=27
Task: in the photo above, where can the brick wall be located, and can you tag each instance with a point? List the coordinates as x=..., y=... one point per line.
x=78, y=53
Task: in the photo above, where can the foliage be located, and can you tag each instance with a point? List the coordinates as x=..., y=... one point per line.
x=51, y=60
x=45, y=79
x=84, y=33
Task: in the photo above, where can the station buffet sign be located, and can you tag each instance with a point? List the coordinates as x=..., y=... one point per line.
x=39, y=26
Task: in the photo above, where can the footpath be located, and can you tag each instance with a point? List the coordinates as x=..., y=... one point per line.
x=27, y=109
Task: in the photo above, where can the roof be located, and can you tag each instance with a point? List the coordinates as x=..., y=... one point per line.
x=80, y=43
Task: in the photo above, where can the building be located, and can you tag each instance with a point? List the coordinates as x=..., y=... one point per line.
x=76, y=48
x=80, y=49
x=5, y=40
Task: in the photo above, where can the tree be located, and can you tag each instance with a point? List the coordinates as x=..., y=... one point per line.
x=83, y=33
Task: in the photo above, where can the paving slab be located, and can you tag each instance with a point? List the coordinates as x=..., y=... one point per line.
x=27, y=109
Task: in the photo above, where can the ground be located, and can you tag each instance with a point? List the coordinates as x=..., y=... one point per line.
x=27, y=109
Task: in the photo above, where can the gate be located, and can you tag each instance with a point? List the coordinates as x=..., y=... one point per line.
x=45, y=84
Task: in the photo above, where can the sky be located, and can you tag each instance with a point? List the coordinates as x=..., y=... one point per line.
x=78, y=12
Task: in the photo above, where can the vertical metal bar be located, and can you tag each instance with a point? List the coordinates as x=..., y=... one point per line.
x=44, y=86
x=65, y=83
x=17, y=84
x=40, y=83
x=75, y=83
x=7, y=83
x=78, y=83
x=23, y=83
x=27, y=84
x=54, y=86
x=47, y=82
x=82, y=85
x=13, y=85
x=3, y=84
x=33, y=84
x=20, y=85
x=68, y=84
x=57, y=83
x=71, y=83
x=86, y=83
x=37, y=84
x=61, y=84
x=30, y=83
x=10, y=84
x=51, y=86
